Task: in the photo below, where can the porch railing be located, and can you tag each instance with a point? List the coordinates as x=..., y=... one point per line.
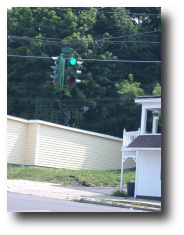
x=129, y=136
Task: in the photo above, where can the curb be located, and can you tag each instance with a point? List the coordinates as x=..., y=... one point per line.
x=142, y=203
x=122, y=206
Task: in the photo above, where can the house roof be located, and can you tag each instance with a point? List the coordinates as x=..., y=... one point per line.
x=146, y=141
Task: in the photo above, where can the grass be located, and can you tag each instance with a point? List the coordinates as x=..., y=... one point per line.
x=108, y=201
x=103, y=200
x=66, y=177
x=136, y=204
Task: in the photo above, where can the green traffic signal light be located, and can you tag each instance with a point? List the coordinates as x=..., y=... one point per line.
x=73, y=61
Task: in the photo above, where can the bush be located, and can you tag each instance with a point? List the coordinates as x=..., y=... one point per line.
x=119, y=193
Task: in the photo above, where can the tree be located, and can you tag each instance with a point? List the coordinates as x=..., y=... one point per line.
x=129, y=90
x=28, y=78
x=157, y=89
x=96, y=103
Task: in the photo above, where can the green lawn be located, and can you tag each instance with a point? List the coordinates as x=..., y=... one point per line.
x=66, y=177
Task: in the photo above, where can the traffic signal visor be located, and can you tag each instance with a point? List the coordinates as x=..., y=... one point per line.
x=59, y=67
x=55, y=58
x=55, y=68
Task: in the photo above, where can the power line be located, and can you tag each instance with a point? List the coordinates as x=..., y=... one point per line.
x=125, y=61
x=111, y=12
x=132, y=34
x=102, y=41
x=144, y=42
x=50, y=42
x=40, y=24
x=34, y=57
x=65, y=99
x=38, y=40
x=108, y=12
x=74, y=105
x=85, y=40
x=65, y=104
x=47, y=25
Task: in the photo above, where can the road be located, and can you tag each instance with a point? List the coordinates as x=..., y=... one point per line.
x=28, y=203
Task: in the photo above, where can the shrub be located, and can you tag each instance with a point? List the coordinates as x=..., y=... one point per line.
x=119, y=193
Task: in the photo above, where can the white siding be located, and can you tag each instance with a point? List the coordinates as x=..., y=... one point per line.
x=30, y=144
x=74, y=150
x=148, y=181
x=16, y=141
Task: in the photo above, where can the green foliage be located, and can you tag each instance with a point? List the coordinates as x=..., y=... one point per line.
x=157, y=89
x=105, y=88
x=129, y=90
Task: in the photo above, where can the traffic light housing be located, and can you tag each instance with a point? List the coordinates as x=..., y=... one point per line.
x=59, y=70
x=71, y=76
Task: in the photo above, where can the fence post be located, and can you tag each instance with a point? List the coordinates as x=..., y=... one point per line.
x=139, y=131
x=124, y=137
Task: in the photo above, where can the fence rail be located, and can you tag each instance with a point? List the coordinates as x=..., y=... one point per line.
x=128, y=137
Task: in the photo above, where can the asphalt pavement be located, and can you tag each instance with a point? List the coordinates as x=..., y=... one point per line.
x=92, y=195
x=29, y=203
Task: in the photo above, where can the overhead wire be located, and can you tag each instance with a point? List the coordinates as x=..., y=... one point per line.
x=114, y=61
x=42, y=24
x=65, y=99
x=71, y=105
x=78, y=105
x=143, y=42
x=85, y=104
x=111, y=12
x=84, y=100
x=85, y=40
x=108, y=12
x=82, y=41
x=40, y=40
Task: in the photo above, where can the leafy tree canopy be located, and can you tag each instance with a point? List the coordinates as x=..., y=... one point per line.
x=103, y=101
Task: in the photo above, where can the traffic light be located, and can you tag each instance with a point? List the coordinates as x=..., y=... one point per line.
x=71, y=77
x=59, y=69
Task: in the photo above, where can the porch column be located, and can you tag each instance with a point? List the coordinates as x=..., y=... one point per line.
x=155, y=125
x=143, y=120
x=136, y=173
x=122, y=161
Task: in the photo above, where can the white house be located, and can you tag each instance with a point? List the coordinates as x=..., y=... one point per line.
x=145, y=149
